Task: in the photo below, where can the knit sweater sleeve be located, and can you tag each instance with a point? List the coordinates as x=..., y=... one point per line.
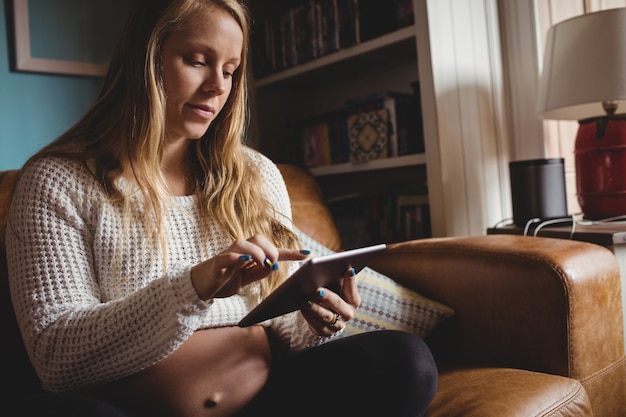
x=74, y=337
x=76, y=332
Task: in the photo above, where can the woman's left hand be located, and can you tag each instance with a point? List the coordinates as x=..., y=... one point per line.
x=327, y=312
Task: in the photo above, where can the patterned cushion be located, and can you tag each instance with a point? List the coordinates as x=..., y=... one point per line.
x=386, y=304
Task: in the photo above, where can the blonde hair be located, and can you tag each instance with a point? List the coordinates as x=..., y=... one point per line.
x=124, y=130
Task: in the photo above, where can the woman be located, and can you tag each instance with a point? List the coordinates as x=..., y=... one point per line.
x=139, y=238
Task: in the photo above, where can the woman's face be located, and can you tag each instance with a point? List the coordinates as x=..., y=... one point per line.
x=198, y=65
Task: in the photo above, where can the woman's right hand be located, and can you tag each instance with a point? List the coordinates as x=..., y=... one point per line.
x=243, y=263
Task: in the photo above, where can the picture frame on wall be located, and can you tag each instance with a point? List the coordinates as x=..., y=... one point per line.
x=70, y=37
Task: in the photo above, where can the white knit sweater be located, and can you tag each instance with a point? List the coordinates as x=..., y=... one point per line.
x=93, y=306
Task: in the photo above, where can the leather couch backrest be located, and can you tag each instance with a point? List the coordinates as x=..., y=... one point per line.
x=22, y=377
x=310, y=212
x=7, y=183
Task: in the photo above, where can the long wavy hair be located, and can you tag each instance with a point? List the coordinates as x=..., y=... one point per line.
x=123, y=133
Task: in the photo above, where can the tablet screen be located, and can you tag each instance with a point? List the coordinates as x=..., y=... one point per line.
x=321, y=271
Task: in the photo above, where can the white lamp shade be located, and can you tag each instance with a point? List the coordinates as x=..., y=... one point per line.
x=584, y=65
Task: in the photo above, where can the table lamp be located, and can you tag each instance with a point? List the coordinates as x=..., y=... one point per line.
x=584, y=79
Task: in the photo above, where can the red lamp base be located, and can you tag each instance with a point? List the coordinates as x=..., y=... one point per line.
x=600, y=157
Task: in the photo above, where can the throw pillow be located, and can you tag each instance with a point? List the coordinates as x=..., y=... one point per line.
x=385, y=304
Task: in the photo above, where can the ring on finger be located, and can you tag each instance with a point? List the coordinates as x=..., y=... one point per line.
x=334, y=321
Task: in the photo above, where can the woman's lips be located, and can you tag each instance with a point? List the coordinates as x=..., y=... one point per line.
x=205, y=112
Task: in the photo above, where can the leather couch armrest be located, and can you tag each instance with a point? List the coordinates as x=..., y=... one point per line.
x=541, y=304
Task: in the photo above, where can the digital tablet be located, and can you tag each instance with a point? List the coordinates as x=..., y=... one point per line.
x=321, y=271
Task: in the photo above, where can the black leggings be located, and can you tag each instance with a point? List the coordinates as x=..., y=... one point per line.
x=64, y=404
x=382, y=373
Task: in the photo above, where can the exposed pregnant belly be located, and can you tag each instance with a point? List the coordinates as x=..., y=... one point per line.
x=214, y=373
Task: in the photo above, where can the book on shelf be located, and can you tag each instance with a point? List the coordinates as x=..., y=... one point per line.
x=316, y=144
x=292, y=36
x=309, y=29
x=348, y=22
x=323, y=139
x=370, y=127
x=326, y=28
x=286, y=42
x=385, y=217
x=338, y=135
x=404, y=119
x=412, y=217
x=368, y=134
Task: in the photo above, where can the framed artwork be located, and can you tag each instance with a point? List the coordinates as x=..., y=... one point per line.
x=73, y=37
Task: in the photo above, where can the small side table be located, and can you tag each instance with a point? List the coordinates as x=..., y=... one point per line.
x=611, y=235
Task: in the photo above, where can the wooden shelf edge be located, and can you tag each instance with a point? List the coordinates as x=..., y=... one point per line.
x=339, y=56
x=395, y=162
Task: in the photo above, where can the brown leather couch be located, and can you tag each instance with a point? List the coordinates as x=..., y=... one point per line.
x=537, y=331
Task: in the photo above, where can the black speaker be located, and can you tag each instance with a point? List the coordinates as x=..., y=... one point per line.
x=538, y=190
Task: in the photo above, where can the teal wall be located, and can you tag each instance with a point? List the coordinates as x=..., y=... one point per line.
x=35, y=108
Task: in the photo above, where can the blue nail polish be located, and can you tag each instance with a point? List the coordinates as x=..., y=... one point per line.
x=305, y=251
x=245, y=258
x=320, y=293
x=275, y=266
x=352, y=272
